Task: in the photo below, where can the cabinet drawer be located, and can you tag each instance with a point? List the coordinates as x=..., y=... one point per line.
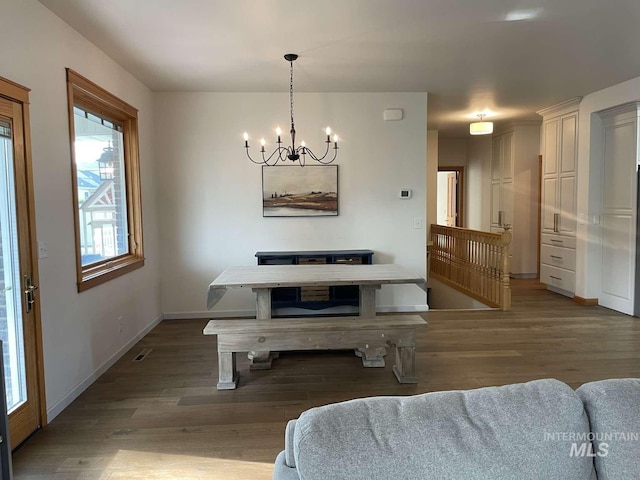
x=558, y=240
x=558, y=277
x=314, y=294
x=349, y=260
x=311, y=260
x=558, y=257
x=277, y=261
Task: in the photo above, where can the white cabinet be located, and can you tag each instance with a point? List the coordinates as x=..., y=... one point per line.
x=502, y=181
x=514, y=192
x=559, y=147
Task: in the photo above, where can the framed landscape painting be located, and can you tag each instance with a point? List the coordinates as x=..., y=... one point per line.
x=294, y=191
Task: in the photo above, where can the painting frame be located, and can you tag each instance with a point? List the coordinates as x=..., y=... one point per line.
x=295, y=191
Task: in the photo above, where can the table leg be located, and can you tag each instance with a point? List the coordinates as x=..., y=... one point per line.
x=368, y=300
x=371, y=357
x=262, y=360
x=405, y=367
x=227, y=372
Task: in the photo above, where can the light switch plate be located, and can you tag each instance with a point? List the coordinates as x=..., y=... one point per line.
x=43, y=251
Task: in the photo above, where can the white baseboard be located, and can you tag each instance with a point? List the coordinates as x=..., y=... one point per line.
x=209, y=314
x=56, y=409
x=520, y=276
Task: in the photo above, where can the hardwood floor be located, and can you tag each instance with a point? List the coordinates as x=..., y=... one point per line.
x=162, y=418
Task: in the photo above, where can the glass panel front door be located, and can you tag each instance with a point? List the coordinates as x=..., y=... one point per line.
x=11, y=285
x=19, y=312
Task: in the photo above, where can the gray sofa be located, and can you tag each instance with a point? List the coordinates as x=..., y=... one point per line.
x=537, y=430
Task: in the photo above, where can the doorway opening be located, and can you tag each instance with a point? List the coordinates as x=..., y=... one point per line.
x=450, y=196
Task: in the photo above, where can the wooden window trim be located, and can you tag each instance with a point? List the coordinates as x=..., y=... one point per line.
x=93, y=97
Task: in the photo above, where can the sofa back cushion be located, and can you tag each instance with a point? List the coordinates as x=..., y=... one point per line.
x=491, y=433
x=613, y=407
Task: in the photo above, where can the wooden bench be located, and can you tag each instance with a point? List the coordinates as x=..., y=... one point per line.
x=316, y=333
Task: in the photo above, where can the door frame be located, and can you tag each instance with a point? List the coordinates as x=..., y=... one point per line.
x=19, y=94
x=459, y=192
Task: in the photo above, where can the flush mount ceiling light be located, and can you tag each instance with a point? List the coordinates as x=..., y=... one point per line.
x=292, y=153
x=481, y=128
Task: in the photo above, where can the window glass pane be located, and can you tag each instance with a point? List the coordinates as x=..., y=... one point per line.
x=102, y=209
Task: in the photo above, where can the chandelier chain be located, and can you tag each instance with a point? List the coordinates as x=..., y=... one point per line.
x=291, y=91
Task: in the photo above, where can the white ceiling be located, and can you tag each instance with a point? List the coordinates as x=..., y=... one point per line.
x=465, y=53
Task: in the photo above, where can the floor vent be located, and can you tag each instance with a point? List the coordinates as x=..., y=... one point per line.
x=142, y=355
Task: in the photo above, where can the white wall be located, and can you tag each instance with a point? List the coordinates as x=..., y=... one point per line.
x=478, y=184
x=432, y=178
x=211, y=201
x=80, y=331
x=452, y=152
x=588, y=255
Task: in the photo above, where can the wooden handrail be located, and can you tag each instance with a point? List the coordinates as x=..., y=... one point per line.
x=474, y=262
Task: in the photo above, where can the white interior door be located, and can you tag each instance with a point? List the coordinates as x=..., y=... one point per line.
x=619, y=212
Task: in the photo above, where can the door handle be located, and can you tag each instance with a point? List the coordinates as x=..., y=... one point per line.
x=29, y=289
x=500, y=212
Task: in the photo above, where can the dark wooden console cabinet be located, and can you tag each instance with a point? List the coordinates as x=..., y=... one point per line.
x=315, y=298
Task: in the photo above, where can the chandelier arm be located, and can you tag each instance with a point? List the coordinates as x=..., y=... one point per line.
x=277, y=150
x=335, y=154
x=254, y=161
x=313, y=155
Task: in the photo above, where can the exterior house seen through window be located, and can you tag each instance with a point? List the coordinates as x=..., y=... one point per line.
x=107, y=184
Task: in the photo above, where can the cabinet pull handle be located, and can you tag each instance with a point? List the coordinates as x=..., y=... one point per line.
x=556, y=256
x=500, y=217
x=556, y=222
x=556, y=240
x=555, y=278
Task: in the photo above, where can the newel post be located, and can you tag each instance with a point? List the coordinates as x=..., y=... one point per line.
x=505, y=247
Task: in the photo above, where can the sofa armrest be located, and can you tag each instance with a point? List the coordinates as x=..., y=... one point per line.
x=613, y=408
x=282, y=471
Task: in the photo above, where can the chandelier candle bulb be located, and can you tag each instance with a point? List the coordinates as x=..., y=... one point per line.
x=246, y=140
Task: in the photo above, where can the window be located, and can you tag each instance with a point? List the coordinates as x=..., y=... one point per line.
x=106, y=177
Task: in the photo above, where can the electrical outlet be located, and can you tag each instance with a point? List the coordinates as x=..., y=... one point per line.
x=120, y=324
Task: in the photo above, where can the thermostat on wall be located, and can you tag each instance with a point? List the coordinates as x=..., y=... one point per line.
x=404, y=194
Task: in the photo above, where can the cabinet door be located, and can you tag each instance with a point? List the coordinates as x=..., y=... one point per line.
x=567, y=205
x=507, y=155
x=507, y=203
x=496, y=204
x=496, y=156
x=568, y=147
x=550, y=148
x=549, y=196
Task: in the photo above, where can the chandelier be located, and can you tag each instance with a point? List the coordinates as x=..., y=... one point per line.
x=293, y=153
